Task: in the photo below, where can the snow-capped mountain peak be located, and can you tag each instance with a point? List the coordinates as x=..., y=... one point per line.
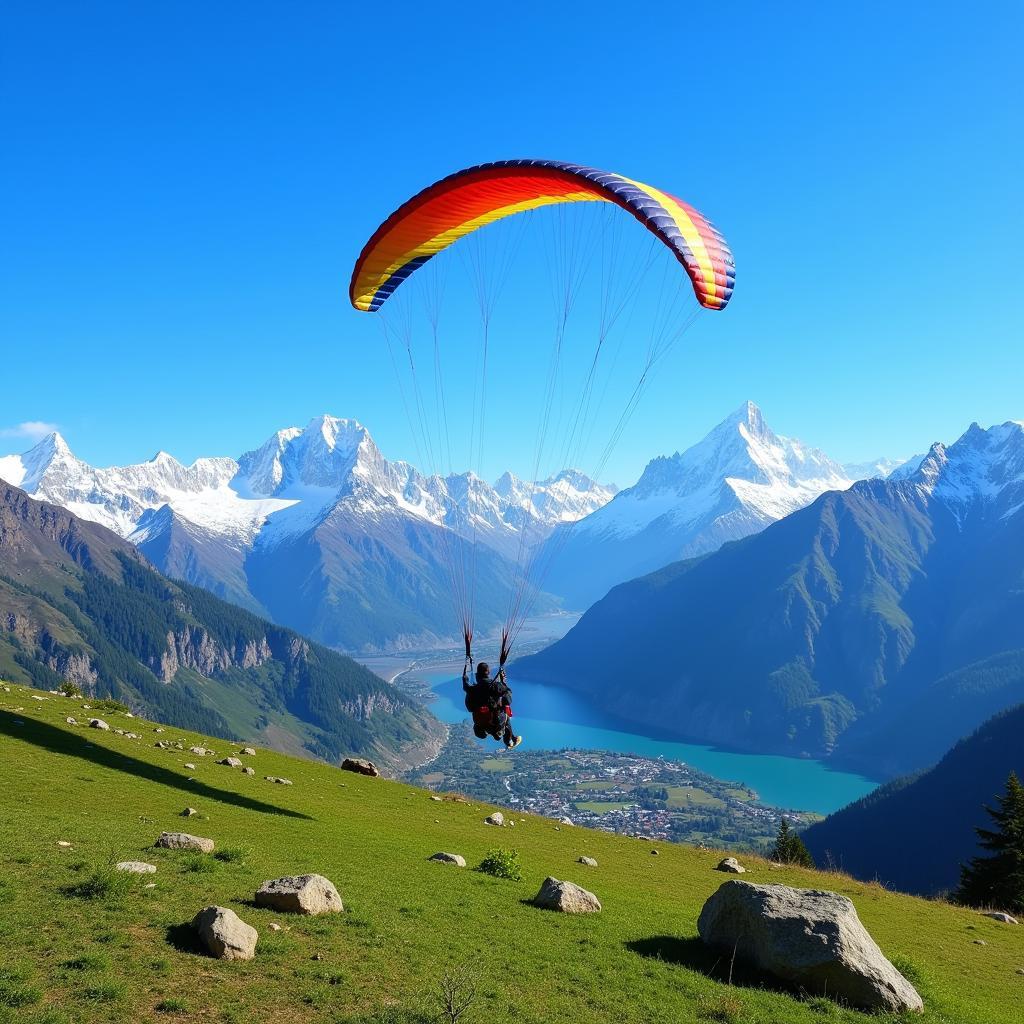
x=981, y=472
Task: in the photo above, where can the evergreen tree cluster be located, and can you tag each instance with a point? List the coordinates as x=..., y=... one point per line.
x=997, y=879
x=789, y=848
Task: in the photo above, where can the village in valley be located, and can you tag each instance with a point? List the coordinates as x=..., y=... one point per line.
x=633, y=795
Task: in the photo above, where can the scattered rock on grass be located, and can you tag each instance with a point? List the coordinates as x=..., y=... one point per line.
x=731, y=865
x=98, y=723
x=64, y=844
x=589, y=861
x=300, y=894
x=201, y=751
x=436, y=799
x=231, y=762
x=71, y=721
x=360, y=766
x=497, y=818
x=225, y=934
x=248, y=771
x=189, y=812
x=190, y=766
x=998, y=915
x=183, y=841
x=808, y=938
x=566, y=897
x=565, y=821
x=248, y=751
x=136, y=867
x=449, y=858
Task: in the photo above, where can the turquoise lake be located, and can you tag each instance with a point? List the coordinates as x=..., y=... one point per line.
x=550, y=718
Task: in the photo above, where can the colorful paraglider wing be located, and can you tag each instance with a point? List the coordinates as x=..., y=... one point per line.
x=469, y=199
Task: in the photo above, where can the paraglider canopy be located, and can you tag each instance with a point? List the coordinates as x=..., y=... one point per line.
x=471, y=198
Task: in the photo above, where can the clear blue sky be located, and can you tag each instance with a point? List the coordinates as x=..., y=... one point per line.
x=185, y=187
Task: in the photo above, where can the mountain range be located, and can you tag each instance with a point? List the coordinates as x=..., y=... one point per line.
x=316, y=529
x=79, y=604
x=734, y=482
x=889, y=601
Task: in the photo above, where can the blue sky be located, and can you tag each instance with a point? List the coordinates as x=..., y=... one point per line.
x=185, y=189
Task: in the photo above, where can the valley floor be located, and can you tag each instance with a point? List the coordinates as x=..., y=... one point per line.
x=76, y=948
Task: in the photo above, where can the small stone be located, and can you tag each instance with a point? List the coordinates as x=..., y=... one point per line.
x=283, y=782
x=136, y=867
x=63, y=843
x=71, y=721
x=98, y=723
x=300, y=894
x=158, y=729
x=566, y=897
x=225, y=935
x=998, y=915
x=565, y=821
x=149, y=885
x=231, y=762
x=183, y=841
x=248, y=751
x=248, y=771
x=497, y=818
x=449, y=858
x=979, y=942
x=360, y=766
x=201, y=751
x=436, y=799
x=589, y=861
x=654, y=853
x=274, y=926
x=119, y=732
x=191, y=767
x=731, y=865
x=189, y=812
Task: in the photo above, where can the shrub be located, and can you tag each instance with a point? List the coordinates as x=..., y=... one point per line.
x=171, y=1006
x=232, y=855
x=502, y=864
x=104, y=883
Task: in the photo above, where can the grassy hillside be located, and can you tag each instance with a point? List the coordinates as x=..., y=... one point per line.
x=69, y=952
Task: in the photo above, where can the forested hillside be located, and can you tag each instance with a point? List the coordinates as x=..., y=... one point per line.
x=78, y=604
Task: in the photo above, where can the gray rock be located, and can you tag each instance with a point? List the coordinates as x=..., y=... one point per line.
x=231, y=762
x=300, y=894
x=497, y=818
x=183, y=841
x=71, y=721
x=189, y=812
x=225, y=934
x=248, y=751
x=360, y=766
x=98, y=723
x=567, y=897
x=449, y=858
x=158, y=729
x=190, y=766
x=809, y=938
x=731, y=865
x=201, y=751
x=436, y=799
x=589, y=861
x=248, y=771
x=136, y=867
x=998, y=915
x=565, y=821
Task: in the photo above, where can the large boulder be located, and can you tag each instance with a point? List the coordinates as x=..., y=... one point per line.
x=300, y=894
x=567, y=897
x=449, y=858
x=183, y=841
x=360, y=766
x=806, y=937
x=225, y=934
x=731, y=865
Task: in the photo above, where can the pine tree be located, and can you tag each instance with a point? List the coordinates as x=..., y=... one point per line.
x=789, y=848
x=998, y=880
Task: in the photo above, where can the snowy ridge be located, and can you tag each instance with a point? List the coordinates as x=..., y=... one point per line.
x=981, y=473
x=295, y=480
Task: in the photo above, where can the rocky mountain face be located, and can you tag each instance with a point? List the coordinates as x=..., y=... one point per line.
x=80, y=604
x=738, y=479
x=820, y=634
x=316, y=528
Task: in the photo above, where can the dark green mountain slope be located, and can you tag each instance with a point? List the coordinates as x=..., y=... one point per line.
x=77, y=603
x=914, y=832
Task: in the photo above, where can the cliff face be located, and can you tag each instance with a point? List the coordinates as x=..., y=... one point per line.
x=80, y=605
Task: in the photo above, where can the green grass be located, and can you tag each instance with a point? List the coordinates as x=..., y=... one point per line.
x=688, y=796
x=497, y=764
x=109, y=956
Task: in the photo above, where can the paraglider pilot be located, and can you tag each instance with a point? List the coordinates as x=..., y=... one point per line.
x=490, y=703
